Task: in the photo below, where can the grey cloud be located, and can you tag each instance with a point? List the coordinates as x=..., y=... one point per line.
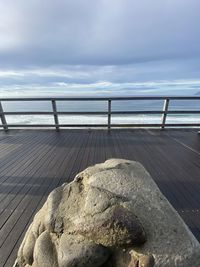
x=87, y=74
x=101, y=32
x=56, y=43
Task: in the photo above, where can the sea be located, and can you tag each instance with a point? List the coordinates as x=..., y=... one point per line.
x=132, y=105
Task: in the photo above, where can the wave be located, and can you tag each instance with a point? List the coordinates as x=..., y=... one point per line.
x=97, y=119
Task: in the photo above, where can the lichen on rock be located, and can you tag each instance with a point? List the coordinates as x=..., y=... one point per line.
x=111, y=215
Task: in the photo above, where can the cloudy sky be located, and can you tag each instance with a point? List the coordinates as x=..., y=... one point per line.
x=99, y=46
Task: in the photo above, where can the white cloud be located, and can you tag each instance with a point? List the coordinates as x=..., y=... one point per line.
x=10, y=27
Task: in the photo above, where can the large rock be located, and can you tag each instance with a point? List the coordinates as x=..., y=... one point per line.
x=111, y=215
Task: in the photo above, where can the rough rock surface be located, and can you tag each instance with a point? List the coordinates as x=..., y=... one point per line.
x=111, y=215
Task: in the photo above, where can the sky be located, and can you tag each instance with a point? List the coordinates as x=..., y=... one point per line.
x=99, y=47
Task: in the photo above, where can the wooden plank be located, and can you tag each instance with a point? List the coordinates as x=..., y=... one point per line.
x=46, y=159
x=55, y=183
x=188, y=138
x=32, y=203
x=23, y=158
x=15, y=196
x=21, y=151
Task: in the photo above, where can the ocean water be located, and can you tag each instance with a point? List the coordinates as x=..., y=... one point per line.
x=106, y=90
x=101, y=106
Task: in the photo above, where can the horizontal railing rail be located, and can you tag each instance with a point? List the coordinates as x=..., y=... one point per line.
x=99, y=98
x=108, y=112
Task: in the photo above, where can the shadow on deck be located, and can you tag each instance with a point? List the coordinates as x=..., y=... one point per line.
x=34, y=162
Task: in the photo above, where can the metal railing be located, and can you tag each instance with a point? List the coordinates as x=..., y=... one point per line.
x=109, y=112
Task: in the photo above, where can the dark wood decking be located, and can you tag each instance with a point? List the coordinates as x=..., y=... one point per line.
x=32, y=163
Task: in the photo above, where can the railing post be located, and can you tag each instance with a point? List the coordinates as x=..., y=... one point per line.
x=109, y=114
x=165, y=109
x=3, y=118
x=55, y=114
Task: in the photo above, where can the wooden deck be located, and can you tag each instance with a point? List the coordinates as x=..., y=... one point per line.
x=33, y=162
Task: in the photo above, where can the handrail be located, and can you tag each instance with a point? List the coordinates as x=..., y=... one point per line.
x=164, y=112
x=116, y=98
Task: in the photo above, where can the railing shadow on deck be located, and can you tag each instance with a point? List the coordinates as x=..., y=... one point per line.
x=109, y=112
